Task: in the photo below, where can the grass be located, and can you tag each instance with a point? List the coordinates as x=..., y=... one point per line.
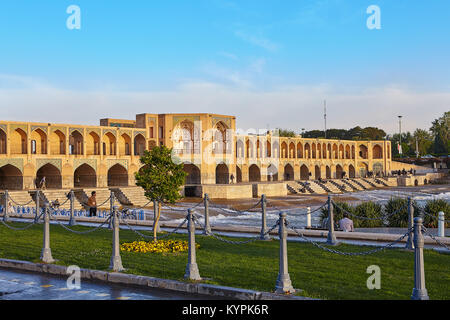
x=252, y=266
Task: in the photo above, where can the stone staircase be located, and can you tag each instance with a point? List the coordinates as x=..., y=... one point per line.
x=363, y=183
x=316, y=188
x=61, y=195
x=352, y=185
x=102, y=196
x=132, y=196
x=322, y=185
x=332, y=187
x=371, y=182
x=20, y=197
x=341, y=185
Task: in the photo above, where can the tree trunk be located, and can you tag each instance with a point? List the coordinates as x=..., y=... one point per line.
x=155, y=224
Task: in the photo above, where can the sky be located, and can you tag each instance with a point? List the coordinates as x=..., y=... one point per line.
x=270, y=63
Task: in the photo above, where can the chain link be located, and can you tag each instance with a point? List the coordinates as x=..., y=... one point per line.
x=81, y=232
x=217, y=237
x=21, y=229
x=434, y=217
x=424, y=230
x=350, y=253
x=151, y=237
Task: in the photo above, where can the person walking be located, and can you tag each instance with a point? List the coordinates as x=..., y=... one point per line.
x=92, y=203
x=42, y=184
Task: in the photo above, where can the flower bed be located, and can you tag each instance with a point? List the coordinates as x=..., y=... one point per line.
x=161, y=246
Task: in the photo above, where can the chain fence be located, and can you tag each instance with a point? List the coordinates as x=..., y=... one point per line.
x=349, y=253
x=151, y=237
x=36, y=221
x=425, y=231
x=53, y=218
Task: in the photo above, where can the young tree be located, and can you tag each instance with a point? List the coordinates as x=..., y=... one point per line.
x=441, y=133
x=160, y=178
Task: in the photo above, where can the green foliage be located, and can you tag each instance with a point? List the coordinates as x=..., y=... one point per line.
x=441, y=133
x=400, y=219
x=160, y=177
x=371, y=210
x=366, y=209
x=286, y=133
x=356, y=133
x=433, y=207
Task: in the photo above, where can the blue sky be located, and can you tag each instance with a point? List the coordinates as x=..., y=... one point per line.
x=270, y=63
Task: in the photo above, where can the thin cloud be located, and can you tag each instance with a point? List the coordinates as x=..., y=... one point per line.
x=257, y=40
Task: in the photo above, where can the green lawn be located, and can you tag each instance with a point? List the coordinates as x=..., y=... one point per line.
x=252, y=266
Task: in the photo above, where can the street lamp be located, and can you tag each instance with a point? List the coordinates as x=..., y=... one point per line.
x=400, y=130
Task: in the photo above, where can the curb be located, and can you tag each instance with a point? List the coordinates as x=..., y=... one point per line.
x=150, y=282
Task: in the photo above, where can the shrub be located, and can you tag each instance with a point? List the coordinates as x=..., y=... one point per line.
x=433, y=207
x=161, y=246
x=400, y=219
x=368, y=210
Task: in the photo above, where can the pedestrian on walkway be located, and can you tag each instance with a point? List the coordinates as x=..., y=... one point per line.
x=92, y=203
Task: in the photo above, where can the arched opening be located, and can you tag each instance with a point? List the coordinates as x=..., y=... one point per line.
x=328, y=172
x=254, y=173
x=85, y=177
x=238, y=175
x=53, y=179
x=11, y=178
x=317, y=174
x=272, y=173
x=363, y=152
x=193, y=174
x=292, y=150
x=425, y=181
x=220, y=142
x=351, y=171
x=307, y=151
x=341, y=152
x=57, y=143
x=249, y=147
x=2, y=142
x=76, y=143
x=378, y=169
x=19, y=142
x=38, y=142
x=324, y=151
x=139, y=145
x=377, y=152
x=284, y=150
x=339, y=172
x=276, y=150
x=335, y=152
x=268, y=149
x=416, y=182
x=313, y=152
x=353, y=152
x=183, y=138
x=117, y=176
x=109, y=144
x=222, y=174
x=288, y=173
x=240, y=149
x=347, y=152
x=319, y=151
x=299, y=150
x=92, y=144
x=304, y=172
x=363, y=169
x=125, y=145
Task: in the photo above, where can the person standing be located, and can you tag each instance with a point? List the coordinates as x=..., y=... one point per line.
x=92, y=203
x=43, y=186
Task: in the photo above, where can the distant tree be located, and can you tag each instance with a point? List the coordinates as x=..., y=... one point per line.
x=441, y=134
x=160, y=178
x=424, y=141
x=286, y=133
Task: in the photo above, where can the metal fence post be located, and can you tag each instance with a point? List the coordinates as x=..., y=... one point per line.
x=441, y=224
x=283, y=284
x=155, y=214
x=38, y=206
x=410, y=241
x=419, y=291
x=6, y=213
x=331, y=240
x=116, y=260
x=264, y=236
x=46, y=254
x=308, y=217
x=207, y=225
x=72, y=220
x=192, y=272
